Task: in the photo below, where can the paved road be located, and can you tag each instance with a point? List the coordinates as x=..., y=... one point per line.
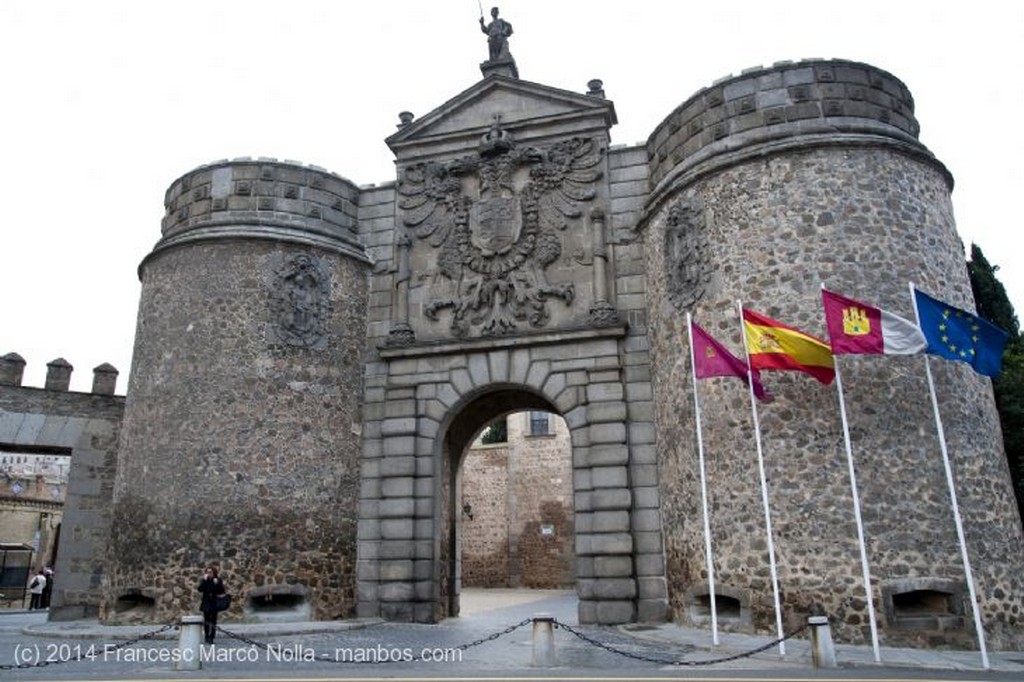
x=321, y=651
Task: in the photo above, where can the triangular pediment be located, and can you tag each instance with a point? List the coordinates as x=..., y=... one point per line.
x=526, y=110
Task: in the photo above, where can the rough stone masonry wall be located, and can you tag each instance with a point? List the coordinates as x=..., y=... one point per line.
x=485, y=537
x=516, y=489
x=862, y=216
x=240, y=448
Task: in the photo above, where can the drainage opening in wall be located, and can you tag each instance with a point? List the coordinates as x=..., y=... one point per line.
x=725, y=607
x=278, y=602
x=925, y=604
x=134, y=602
x=730, y=605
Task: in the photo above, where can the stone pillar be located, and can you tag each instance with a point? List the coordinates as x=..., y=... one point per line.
x=12, y=368
x=58, y=375
x=104, y=379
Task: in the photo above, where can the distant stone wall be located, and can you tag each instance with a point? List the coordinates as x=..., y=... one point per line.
x=86, y=426
x=520, y=493
x=485, y=536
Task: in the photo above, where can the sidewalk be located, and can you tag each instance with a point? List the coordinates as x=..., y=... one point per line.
x=664, y=642
x=798, y=650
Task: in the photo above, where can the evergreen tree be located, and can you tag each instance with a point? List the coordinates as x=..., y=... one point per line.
x=994, y=305
x=496, y=432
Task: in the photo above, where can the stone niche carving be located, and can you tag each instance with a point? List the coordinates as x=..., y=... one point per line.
x=687, y=253
x=495, y=220
x=300, y=301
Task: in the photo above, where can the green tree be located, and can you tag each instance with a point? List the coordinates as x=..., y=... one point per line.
x=994, y=305
x=496, y=432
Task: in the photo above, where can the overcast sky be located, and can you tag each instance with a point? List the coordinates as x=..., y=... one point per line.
x=108, y=102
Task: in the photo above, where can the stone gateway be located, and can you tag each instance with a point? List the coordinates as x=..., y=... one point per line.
x=313, y=360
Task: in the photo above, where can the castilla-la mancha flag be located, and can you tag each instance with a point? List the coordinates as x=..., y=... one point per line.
x=858, y=328
x=773, y=345
x=712, y=359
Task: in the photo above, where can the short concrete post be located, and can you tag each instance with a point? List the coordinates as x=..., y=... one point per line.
x=823, y=651
x=189, y=638
x=543, y=641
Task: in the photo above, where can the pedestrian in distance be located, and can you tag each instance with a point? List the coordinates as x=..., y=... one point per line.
x=36, y=587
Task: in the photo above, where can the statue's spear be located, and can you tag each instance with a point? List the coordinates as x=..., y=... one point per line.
x=480, y=5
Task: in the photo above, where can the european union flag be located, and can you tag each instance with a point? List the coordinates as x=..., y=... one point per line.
x=959, y=335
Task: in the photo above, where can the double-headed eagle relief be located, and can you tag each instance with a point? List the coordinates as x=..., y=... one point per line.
x=495, y=218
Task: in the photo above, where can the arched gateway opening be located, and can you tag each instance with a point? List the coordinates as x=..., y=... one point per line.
x=430, y=402
x=516, y=509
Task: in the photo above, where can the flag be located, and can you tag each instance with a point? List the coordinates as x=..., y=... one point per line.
x=773, y=345
x=858, y=328
x=712, y=359
x=959, y=335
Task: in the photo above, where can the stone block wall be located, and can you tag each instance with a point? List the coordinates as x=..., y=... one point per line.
x=85, y=426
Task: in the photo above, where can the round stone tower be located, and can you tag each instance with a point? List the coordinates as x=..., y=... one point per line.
x=241, y=431
x=764, y=187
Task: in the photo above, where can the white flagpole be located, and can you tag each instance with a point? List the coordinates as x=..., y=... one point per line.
x=865, y=570
x=703, y=488
x=764, y=486
x=968, y=574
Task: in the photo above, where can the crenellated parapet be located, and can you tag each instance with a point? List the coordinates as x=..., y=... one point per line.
x=58, y=374
x=262, y=199
x=773, y=109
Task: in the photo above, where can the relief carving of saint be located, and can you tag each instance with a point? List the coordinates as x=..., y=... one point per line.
x=300, y=302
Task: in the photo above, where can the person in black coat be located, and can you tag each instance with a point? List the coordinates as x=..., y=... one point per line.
x=211, y=587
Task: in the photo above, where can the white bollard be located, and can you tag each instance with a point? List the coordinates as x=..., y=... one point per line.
x=823, y=651
x=189, y=638
x=543, y=641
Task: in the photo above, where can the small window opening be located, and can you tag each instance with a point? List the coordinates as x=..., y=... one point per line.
x=539, y=424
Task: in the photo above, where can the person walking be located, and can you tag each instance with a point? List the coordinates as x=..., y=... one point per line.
x=36, y=587
x=211, y=587
x=48, y=588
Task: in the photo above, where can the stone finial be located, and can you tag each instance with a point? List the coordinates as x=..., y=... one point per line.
x=595, y=88
x=58, y=375
x=405, y=118
x=12, y=368
x=104, y=379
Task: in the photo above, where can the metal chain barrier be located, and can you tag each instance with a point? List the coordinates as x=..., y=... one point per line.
x=326, y=658
x=41, y=661
x=678, y=662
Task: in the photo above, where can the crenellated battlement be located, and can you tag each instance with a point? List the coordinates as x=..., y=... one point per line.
x=773, y=108
x=262, y=198
x=58, y=374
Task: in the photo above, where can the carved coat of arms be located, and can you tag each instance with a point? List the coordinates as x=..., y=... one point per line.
x=687, y=254
x=494, y=218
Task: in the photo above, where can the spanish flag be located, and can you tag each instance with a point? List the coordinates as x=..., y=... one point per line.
x=773, y=345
